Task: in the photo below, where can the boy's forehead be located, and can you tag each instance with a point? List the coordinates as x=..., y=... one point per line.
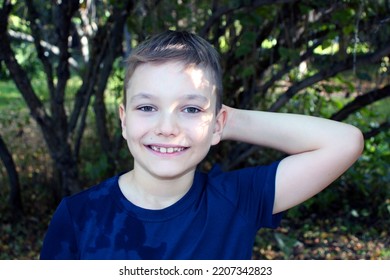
x=200, y=76
x=176, y=66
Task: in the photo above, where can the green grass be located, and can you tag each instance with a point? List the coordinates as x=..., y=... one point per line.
x=10, y=96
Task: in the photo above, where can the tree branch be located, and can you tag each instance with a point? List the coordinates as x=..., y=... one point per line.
x=330, y=71
x=37, y=38
x=113, y=51
x=63, y=13
x=360, y=102
x=20, y=76
x=375, y=131
x=287, y=68
x=221, y=11
x=105, y=49
x=16, y=35
x=5, y=10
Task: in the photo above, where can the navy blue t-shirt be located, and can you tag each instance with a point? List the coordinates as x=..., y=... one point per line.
x=218, y=218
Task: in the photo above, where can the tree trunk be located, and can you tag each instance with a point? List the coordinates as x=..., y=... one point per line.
x=53, y=127
x=69, y=180
x=15, y=200
x=110, y=43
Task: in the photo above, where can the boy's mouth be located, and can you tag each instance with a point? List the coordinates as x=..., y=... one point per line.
x=167, y=150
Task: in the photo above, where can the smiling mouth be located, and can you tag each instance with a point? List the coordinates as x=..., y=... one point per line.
x=167, y=150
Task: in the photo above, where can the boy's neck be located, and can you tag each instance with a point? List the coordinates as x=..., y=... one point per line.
x=153, y=193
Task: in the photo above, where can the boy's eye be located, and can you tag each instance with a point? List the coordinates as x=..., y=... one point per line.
x=191, y=110
x=146, y=109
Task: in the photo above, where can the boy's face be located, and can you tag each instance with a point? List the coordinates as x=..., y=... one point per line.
x=169, y=122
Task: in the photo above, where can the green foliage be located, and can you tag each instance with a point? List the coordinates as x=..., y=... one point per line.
x=115, y=85
x=371, y=176
x=246, y=44
x=95, y=170
x=4, y=73
x=344, y=17
x=289, y=54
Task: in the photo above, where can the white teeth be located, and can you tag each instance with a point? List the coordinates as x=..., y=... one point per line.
x=164, y=150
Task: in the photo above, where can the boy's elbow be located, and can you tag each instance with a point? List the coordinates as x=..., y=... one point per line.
x=355, y=142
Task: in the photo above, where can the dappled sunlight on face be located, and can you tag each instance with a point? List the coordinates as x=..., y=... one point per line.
x=201, y=79
x=204, y=127
x=198, y=77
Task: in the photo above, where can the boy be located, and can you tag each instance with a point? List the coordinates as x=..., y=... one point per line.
x=164, y=208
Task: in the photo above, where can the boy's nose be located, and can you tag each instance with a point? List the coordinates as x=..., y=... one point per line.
x=167, y=125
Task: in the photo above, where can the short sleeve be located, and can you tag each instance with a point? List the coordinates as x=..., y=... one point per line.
x=60, y=242
x=251, y=191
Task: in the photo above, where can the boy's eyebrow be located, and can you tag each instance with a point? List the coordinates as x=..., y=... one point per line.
x=189, y=97
x=199, y=97
x=141, y=96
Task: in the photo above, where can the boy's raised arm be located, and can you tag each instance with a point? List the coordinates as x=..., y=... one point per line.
x=320, y=150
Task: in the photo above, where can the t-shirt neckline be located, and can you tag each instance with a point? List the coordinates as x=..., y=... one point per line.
x=159, y=215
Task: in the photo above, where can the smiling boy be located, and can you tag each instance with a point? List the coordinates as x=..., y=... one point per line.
x=163, y=208
x=169, y=125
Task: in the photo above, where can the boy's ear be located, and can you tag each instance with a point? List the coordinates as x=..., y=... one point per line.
x=220, y=122
x=122, y=116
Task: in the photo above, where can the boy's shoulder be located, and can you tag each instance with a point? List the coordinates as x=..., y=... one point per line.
x=217, y=173
x=95, y=193
x=248, y=191
x=244, y=181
